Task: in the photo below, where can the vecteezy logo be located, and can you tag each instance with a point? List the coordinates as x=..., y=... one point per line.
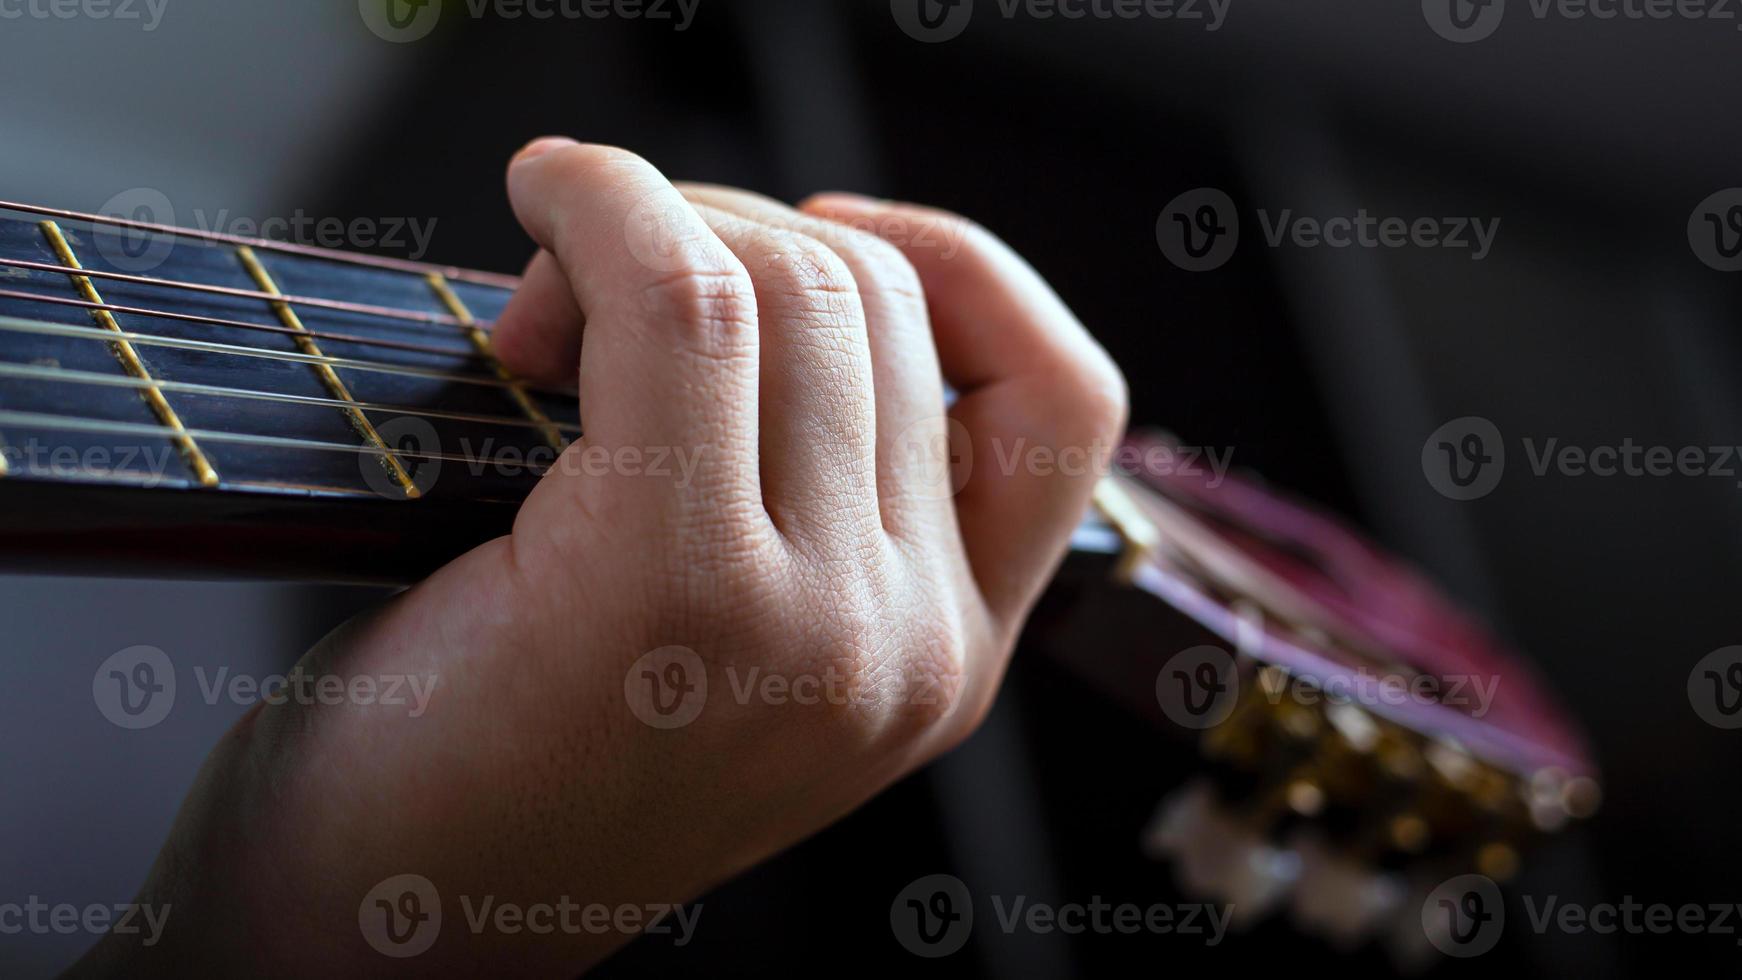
x=1715, y=230
x=939, y=454
x=932, y=21
x=1198, y=688
x=415, y=445
x=400, y=21
x=133, y=249
x=1715, y=688
x=1464, y=21
x=402, y=916
x=1465, y=458
x=135, y=688
x=666, y=688
x=1464, y=917
x=1199, y=229
x=933, y=916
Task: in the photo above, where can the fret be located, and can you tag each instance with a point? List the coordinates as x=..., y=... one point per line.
x=125, y=352
x=329, y=377
x=481, y=341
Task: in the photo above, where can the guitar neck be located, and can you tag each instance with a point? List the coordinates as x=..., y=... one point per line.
x=177, y=404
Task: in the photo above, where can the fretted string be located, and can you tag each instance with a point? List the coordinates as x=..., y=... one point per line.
x=523, y=413
x=153, y=340
x=266, y=245
x=404, y=345
x=32, y=372
x=73, y=424
x=386, y=312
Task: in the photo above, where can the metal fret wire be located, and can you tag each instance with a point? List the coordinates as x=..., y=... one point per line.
x=481, y=341
x=132, y=364
x=329, y=377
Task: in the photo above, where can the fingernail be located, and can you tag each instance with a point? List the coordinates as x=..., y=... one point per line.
x=540, y=146
x=845, y=199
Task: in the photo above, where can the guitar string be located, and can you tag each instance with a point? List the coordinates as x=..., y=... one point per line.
x=405, y=345
x=261, y=244
x=94, y=425
x=67, y=375
x=74, y=423
x=387, y=312
x=213, y=347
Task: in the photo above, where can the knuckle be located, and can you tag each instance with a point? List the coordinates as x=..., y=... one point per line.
x=807, y=272
x=1107, y=396
x=906, y=673
x=709, y=296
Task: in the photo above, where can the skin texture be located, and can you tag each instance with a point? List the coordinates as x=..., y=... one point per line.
x=802, y=354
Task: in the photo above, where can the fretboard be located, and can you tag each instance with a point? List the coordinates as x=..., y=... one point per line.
x=135, y=358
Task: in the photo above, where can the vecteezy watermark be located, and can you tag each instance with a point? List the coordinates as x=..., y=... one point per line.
x=832, y=686
x=668, y=688
x=934, y=916
x=936, y=21
x=1465, y=459
x=136, y=688
x=1468, y=21
x=401, y=917
x=36, y=917
x=412, y=451
x=404, y=21
x=1199, y=230
x=144, y=465
x=1463, y=21
x=1715, y=230
x=148, y=14
x=939, y=457
x=138, y=250
x=1200, y=687
x=411, y=692
x=1715, y=688
x=1466, y=917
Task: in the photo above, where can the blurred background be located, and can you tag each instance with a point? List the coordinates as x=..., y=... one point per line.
x=1594, y=318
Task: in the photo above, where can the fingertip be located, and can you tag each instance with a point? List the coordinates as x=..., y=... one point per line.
x=539, y=147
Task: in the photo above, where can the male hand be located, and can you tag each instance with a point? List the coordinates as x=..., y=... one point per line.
x=798, y=357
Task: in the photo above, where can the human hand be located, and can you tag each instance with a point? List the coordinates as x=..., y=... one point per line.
x=800, y=363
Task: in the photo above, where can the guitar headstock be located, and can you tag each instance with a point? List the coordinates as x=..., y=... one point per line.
x=1368, y=739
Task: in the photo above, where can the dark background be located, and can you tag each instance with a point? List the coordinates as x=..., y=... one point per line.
x=1325, y=370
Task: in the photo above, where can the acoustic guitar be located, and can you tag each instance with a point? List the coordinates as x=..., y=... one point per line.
x=180, y=403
